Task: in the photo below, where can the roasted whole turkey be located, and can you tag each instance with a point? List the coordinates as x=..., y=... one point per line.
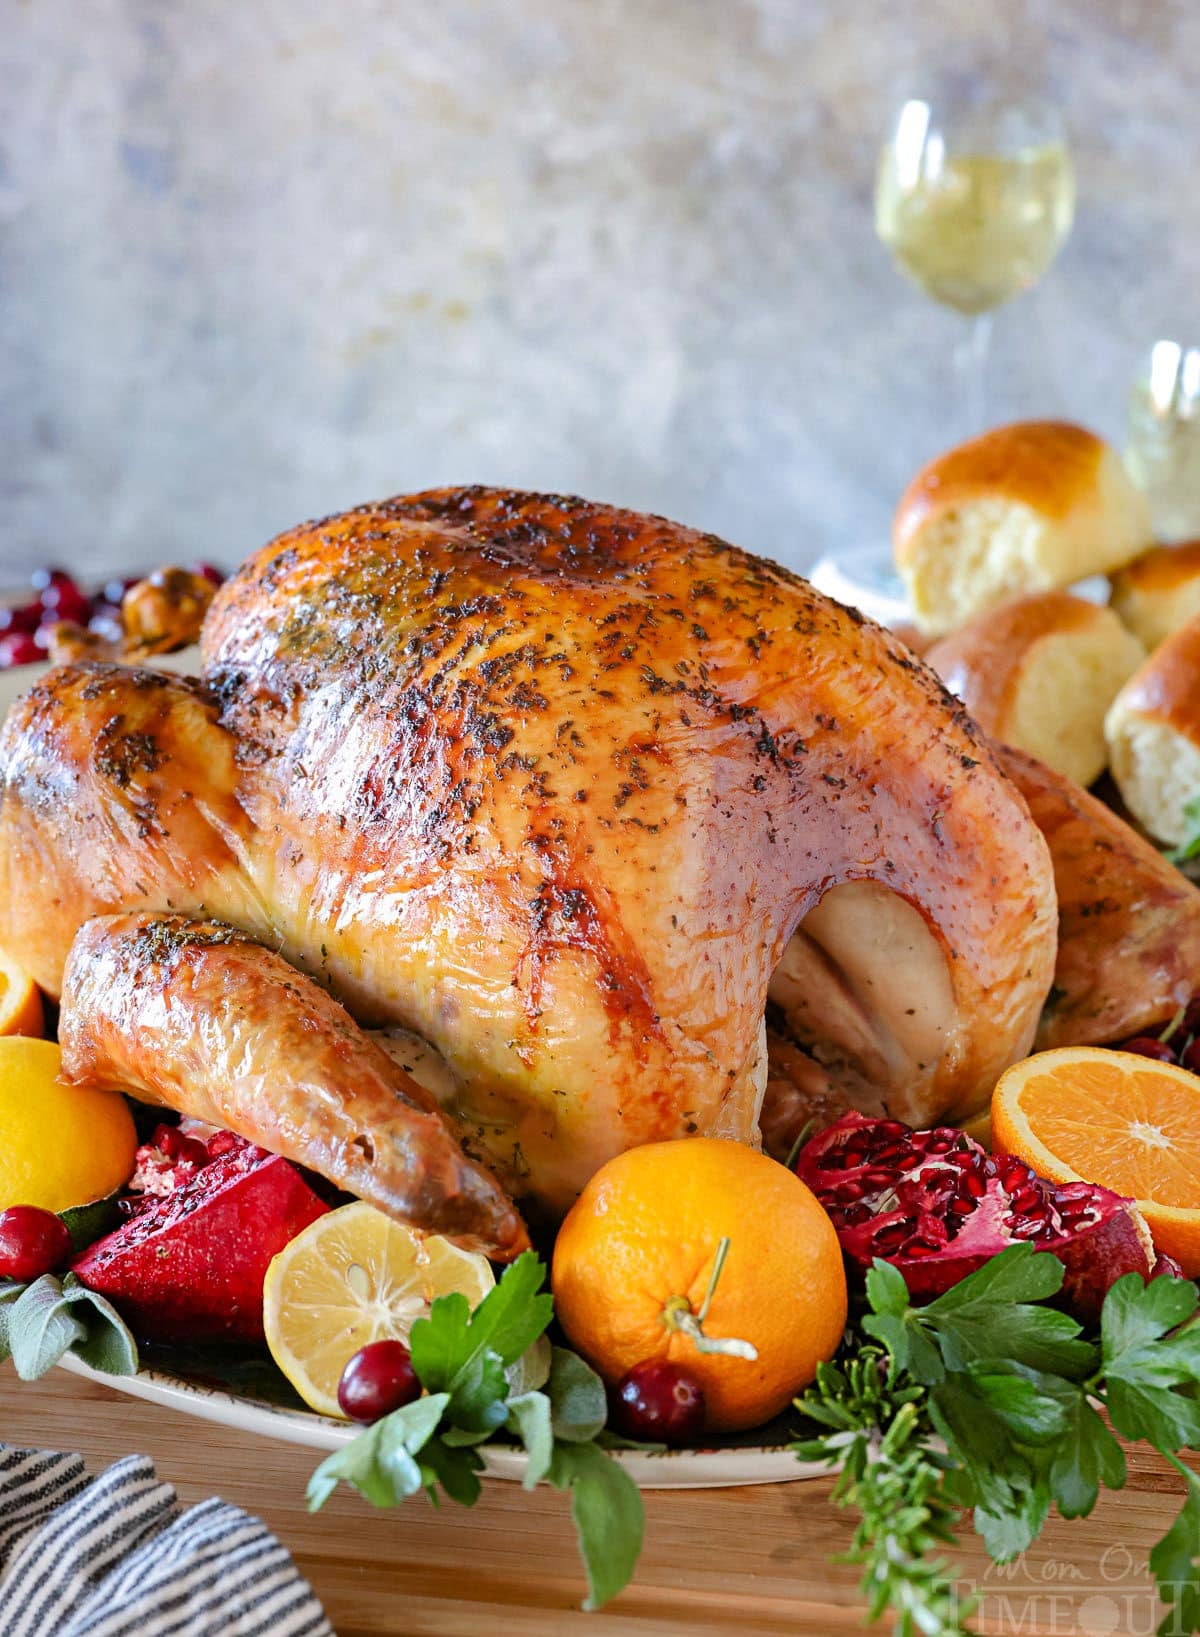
x=571, y=793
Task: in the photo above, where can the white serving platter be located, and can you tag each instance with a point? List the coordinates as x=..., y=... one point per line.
x=208, y=1398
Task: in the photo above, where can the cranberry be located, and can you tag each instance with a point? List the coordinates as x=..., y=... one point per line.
x=24, y=618
x=1144, y=1045
x=32, y=1242
x=660, y=1402
x=378, y=1379
x=65, y=602
x=209, y=572
x=18, y=648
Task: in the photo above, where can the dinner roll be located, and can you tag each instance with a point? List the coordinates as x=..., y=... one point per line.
x=1040, y=673
x=1023, y=508
x=1159, y=592
x=1153, y=732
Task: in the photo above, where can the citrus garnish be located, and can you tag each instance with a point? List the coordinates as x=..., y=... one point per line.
x=60, y=1145
x=20, y=1001
x=353, y=1277
x=640, y=1274
x=1123, y=1121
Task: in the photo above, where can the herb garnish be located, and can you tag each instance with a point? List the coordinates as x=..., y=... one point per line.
x=464, y=1360
x=987, y=1399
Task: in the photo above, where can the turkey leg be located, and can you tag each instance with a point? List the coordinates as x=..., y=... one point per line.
x=200, y=1018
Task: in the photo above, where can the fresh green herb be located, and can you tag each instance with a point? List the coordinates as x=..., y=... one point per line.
x=985, y=1398
x=878, y=1432
x=1189, y=847
x=466, y=1361
x=41, y=1321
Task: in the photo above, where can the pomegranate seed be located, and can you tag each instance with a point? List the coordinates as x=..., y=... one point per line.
x=223, y=1142
x=19, y=648
x=32, y=1242
x=1144, y=1045
x=167, y=1138
x=659, y=1401
x=379, y=1379
x=849, y=1215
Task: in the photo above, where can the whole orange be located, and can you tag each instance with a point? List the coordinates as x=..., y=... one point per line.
x=640, y=1243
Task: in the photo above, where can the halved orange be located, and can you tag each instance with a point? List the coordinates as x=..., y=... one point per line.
x=20, y=1001
x=1133, y=1125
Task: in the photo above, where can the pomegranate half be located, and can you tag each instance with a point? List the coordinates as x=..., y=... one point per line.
x=937, y=1206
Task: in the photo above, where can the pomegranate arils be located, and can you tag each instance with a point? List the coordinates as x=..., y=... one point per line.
x=941, y=1207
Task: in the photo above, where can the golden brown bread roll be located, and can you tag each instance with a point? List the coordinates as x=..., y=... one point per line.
x=1040, y=673
x=1159, y=592
x=1023, y=508
x=1153, y=732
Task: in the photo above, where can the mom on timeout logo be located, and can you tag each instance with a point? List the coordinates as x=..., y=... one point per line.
x=1053, y=1597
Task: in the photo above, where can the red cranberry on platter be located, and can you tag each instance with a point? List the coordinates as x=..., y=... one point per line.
x=659, y=1402
x=1144, y=1045
x=379, y=1379
x=32, y=1242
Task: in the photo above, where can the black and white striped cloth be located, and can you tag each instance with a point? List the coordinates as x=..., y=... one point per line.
x=114, y=1556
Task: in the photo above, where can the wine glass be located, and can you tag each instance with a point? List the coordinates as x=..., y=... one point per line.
x=974, y=198
x=1163, y=451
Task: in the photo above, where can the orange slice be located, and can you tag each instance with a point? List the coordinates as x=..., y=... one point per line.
x=20, y=1001
x=1126, y=1122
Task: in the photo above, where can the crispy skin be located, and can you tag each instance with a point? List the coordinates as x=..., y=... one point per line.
x=1129, y=922
x=198, y=1017
x=552, y=785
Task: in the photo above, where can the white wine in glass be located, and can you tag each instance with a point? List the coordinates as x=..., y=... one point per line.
x=974, y=201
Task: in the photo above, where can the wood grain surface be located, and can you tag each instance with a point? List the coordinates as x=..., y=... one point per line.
x=754, y=1560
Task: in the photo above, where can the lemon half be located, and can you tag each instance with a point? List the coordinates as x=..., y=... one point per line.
x=350, y=1278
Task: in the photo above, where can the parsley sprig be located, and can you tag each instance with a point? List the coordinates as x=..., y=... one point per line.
x=988, y=1399
x=466, y=1361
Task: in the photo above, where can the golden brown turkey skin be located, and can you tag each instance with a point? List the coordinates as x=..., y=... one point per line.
x=197, y=1017
x=553, y=785
x=1129, y=930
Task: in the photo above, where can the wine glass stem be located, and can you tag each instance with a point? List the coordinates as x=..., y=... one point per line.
x=972, y=357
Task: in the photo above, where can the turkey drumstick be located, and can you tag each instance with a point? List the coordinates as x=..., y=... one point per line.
x=199, y=1017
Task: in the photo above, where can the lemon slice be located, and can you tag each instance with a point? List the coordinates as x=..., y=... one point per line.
x=352, y=1277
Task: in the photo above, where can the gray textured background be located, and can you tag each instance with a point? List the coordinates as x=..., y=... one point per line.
x=260, y=261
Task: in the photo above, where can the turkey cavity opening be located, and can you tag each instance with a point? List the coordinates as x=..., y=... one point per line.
x=860, y=1012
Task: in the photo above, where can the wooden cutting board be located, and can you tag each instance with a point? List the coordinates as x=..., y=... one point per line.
x=754, y=1560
